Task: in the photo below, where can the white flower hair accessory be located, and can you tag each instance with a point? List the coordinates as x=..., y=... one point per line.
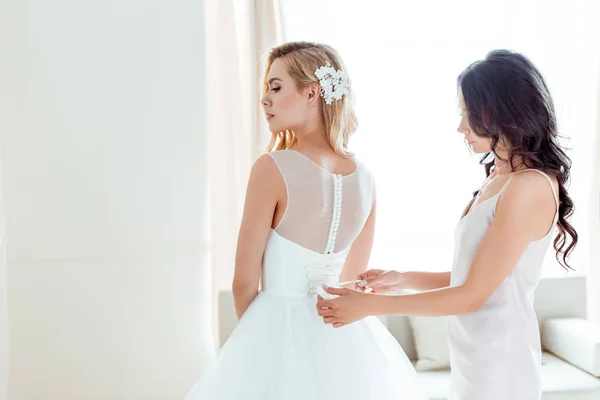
x=334, y=84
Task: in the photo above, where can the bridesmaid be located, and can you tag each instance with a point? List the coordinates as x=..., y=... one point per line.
x=500, y=242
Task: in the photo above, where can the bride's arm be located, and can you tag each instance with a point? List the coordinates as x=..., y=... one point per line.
x=360, y=252
x=262, y=195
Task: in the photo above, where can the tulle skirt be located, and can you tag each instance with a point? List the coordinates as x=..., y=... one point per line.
x=282, y=350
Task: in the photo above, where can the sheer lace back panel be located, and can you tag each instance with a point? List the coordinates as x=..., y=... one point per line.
x=325, y=212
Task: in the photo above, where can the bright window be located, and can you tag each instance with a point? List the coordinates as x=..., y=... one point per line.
x=403, y=59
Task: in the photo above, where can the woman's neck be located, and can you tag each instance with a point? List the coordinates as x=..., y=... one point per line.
x=312, y=141
x=503, y=166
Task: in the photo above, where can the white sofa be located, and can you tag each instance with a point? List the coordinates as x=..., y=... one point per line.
x=571, y=359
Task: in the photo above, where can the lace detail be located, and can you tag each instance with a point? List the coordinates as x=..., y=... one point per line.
x=313, y=194
x=337, y=213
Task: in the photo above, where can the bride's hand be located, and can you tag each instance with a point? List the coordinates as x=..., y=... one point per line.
x=382, y=282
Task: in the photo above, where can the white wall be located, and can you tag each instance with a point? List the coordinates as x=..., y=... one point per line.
x=594, y=282
x=104, y=172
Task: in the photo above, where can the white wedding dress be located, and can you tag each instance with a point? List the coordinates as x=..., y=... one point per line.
x=281, y=349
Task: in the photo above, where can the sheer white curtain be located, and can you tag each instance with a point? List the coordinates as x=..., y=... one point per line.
x=3, y=302
x=238, y=36
x=403, y=59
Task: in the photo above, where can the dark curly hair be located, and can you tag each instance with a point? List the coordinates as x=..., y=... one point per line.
x=508, y=101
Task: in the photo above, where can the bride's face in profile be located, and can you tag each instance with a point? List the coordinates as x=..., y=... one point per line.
x=285, y=106
x=480, y=145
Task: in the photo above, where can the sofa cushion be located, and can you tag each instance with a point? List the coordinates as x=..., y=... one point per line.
x=575, y=340
x=436, y=383
x=561, y=381
x=431, y=343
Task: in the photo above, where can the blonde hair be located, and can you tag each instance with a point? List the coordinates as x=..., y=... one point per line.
x=339, y=120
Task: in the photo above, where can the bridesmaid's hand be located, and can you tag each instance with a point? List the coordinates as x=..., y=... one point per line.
x=350, y=306
x=382, y=282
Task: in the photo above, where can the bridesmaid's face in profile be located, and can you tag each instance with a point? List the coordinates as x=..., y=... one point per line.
x=479, y=144
x=284, y=105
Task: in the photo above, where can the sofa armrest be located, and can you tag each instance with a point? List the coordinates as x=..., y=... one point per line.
x=575, y=340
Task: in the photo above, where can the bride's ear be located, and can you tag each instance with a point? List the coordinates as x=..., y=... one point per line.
x=313, y=92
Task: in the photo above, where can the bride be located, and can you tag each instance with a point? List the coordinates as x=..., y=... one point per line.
x=308, y=221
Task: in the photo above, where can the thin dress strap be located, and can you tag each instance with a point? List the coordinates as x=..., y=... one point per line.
x=483, y=187
x=556, y=200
